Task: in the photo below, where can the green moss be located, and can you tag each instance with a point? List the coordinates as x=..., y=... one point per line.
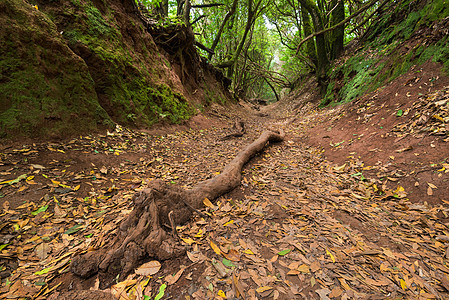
x=97, y=24
x=212, y=95
x=45, y=90
x=364, y=72
x=436, y=10
x=406, y=28
x=61, y=92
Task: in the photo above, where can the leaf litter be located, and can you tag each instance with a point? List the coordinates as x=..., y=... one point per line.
x=297, y=227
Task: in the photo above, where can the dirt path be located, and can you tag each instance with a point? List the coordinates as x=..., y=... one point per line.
x=298, y=227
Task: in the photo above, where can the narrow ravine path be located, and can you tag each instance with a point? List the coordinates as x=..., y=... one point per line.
x=298, y=227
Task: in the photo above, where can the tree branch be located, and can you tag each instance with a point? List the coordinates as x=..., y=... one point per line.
x=355, y=14
x=201, y=46
x=207, y=5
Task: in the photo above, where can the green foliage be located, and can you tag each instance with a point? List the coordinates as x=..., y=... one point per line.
x=381, y=61
x=436, y=10
x=408, y=26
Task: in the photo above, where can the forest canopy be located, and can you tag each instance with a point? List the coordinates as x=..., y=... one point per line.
x=264, y=46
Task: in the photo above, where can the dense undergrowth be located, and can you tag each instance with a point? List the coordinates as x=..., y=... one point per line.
x=391, y=49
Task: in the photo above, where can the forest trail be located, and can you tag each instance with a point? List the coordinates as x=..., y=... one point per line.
x=298, y=227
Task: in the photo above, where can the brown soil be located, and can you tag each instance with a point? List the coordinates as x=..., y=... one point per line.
x=365, y=129
x=302, y=224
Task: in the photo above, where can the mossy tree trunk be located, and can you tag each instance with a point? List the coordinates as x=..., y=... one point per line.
x=310, y=44
x=337, y=35
x=320, y=40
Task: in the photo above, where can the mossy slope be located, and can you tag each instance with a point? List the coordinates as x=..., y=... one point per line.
x=45, y=89
x=132, y=80
x=391, y=48
x=73, y=66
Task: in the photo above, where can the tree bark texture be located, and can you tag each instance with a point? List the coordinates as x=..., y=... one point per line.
x=338, y=34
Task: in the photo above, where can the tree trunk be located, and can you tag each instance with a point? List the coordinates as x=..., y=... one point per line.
x=141, y=236
x=252, y=14
x=220, y=31
x=337, y=35
x=323, y=63
x=161, y=9
x=310, y=45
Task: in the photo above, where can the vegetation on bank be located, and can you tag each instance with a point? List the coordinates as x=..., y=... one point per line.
x=74, y=67
x=45, y=89
x=79, y=65
x=410, y=36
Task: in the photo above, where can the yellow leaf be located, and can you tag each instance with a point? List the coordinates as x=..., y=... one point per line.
x=76, y=187
x=36, y=7
x=248, y=251
x=399, y=189
x=305, y=268
x=199, y=234
x=188, y=241
x=22, y=188
x=125, y=283
x=221, y=294
x=293, y=272
x=229, y=222
x=403, y=284
x=438, y=118
x=30, y=178
x=208, y=203
x=30, y=240
x=344, y=284
x=340, y=168
x=432, y=185
x=263, y=289
x=215, y=248
x=331, y=256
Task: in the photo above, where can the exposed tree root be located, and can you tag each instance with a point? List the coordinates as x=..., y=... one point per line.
x=238, y=127
x=141, y=235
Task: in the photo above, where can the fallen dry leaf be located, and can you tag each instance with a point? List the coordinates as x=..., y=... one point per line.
x=149, y=268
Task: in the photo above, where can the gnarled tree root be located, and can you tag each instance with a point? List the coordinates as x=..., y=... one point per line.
x=239, y=130
x=141, y=235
